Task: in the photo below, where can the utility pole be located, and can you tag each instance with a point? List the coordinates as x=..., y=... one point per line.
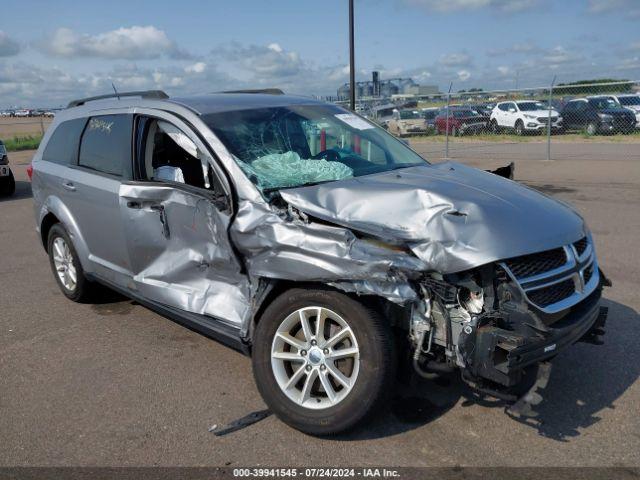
x=352, y=61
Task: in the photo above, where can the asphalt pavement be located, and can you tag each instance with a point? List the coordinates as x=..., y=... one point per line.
x=116, y=384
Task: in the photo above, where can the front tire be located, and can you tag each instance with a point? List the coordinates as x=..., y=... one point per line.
x=322, y=360
x=66, y=266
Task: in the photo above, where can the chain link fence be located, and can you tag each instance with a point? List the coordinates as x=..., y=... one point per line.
x=578, y=120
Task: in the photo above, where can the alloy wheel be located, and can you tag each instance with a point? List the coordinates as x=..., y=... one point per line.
x=63, y=262
x=315, y=357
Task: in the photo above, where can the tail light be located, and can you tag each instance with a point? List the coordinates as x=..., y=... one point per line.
x=30, y=171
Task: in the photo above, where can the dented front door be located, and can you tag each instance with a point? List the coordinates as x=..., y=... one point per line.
x=180, y=252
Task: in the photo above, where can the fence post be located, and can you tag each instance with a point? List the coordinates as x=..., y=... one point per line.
x=42, y=126
x=553, y=82
x=446, y=148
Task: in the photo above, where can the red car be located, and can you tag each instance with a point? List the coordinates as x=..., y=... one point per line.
x=461, y=121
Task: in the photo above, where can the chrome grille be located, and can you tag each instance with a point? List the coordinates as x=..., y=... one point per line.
x=537, y=263
x=581, y=245
x=554, y=280
x=543, y=297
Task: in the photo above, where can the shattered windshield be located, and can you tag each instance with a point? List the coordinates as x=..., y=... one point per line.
x=295, y=145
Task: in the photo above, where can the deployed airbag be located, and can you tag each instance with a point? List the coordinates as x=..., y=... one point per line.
x=289, y=170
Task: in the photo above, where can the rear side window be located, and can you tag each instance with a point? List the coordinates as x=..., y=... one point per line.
x=106, y=145
x=63, y=144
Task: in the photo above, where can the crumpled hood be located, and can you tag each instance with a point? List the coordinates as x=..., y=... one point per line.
x=451, y=216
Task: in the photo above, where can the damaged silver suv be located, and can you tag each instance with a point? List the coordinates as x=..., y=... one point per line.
x=314, y=241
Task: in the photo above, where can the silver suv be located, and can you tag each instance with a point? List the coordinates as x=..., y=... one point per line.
x=313, y=240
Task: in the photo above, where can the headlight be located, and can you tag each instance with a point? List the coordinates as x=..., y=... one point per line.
x=529, y=116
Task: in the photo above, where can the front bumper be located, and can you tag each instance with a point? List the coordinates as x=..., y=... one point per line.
x=501, y=355
x=541, y=126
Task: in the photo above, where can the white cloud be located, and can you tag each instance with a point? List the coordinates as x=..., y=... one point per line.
x=8, y=47
x=630, y=8
x=129, y=43
x=197, y=67
x=503, y=6
x=263, y=62
x=629, y=64
x=464, y=75
x=504, y=70
x=455, y=59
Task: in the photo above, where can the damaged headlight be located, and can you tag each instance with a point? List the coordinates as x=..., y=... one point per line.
x=472, y=302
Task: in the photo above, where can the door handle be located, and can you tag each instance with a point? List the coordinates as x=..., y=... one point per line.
x=137, y=205
x=69, y=186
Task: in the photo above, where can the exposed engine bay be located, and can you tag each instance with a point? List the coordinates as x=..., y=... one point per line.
x=484, y=323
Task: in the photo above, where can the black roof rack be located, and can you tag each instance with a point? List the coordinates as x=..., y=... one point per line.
x=157, y=94
x=268, y=91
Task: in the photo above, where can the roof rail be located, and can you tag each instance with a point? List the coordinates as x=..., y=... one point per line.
x=268, y=91
x=157, y=94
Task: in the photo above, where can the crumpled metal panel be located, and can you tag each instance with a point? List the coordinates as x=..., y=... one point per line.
x=275, y=246
x=189, y=262
x=453, y=217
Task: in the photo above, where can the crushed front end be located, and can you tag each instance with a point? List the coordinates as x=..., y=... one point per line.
x=497, y=322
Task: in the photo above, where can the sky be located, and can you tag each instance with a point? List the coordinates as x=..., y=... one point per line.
x=53, y=52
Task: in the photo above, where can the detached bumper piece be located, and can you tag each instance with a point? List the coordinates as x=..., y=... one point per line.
x=501, y=355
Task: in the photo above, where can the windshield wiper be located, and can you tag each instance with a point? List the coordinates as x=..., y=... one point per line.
x=307, y=184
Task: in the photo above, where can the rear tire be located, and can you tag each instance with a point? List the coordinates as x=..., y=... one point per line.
x=317, y=387
x=66, y=266
x=519, y=128
x=493, y=127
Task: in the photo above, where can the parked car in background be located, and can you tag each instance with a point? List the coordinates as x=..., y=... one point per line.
x=407, y=122
x=7, y=182
x=22, y=113
x=556, y=104
x=49, y=114
x=323, y=247
x=483, y=109
x=430, y=114
x=629, y=101
x=460, y=121
x=598, y=115
x=524, y=116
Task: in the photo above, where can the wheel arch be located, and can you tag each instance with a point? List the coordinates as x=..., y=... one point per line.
x=54, y=211
x=278, y=286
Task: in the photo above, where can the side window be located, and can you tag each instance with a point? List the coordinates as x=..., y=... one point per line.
x=504, y=107
x=106, y=145
x=167, y=154
x=62, y=147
